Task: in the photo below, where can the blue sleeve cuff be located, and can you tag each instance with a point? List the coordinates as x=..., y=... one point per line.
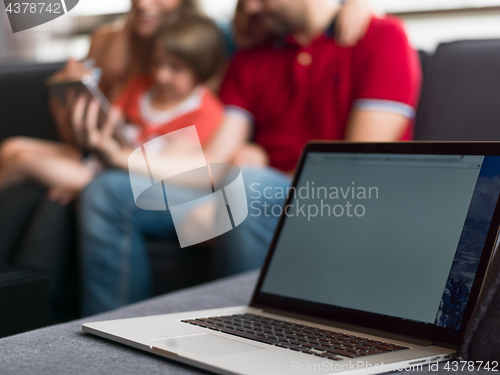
x=385, y=106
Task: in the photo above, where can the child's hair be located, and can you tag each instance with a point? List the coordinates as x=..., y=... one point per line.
x=195, y=39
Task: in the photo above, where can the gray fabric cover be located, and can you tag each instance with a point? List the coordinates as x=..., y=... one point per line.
x=460, y=93
x=24, y=99
x=482, y=342
x=65, y=349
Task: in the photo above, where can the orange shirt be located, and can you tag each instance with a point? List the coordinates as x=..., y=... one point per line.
x=206, y=116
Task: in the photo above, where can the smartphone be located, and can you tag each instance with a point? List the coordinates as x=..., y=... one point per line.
x=87, y=85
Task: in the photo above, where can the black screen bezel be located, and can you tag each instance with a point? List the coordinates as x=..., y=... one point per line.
x=420, y=330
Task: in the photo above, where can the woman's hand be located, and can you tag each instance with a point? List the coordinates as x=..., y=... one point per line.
x=99, y=140
x=62, y=196
x=353, y=21
x=74, y=70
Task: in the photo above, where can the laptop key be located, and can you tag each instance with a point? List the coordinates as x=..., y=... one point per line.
x=374, y=351
x=333, y=357
x=364, y=347
x=250, y=336
x=351, y=350
x=304, y=350
x=190, y=321
x=385, y=347
x=343, y=353
x=309, y=345
x=286, y=345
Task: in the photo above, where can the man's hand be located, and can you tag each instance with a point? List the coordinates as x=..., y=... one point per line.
x=353, y=21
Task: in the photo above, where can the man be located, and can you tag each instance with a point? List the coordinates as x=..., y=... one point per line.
x=300, y=86
x=305, y=86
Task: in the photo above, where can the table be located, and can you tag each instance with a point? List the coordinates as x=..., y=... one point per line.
x=66, y=349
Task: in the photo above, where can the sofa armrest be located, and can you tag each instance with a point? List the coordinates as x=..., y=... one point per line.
x=24, y=101
x=24, y=293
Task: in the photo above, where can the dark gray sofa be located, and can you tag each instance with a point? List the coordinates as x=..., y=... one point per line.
x=24, y=112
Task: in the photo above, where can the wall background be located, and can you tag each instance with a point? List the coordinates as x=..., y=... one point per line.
x=429, y=22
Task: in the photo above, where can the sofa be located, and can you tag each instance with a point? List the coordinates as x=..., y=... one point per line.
x=24, y=112
x=459, y=101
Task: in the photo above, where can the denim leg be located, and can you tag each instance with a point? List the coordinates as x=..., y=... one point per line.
x=113, y=231
x=114, y=258
x=245, y=247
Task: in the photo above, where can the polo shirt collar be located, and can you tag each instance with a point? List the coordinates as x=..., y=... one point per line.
x=288, y=39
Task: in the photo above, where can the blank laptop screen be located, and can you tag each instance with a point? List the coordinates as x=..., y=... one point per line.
x=397, y=235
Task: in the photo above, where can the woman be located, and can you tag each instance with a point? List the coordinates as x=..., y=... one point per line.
x=35, y=231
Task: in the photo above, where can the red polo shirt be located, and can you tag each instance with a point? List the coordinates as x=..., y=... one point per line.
x=295, y=93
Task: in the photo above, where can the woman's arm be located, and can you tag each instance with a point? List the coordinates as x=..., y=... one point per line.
x=108, y=50
x=230, y=137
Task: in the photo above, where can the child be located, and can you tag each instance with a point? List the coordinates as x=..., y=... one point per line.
x=188, y=51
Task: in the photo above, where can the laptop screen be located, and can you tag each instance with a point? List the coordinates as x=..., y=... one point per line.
x=400, y=235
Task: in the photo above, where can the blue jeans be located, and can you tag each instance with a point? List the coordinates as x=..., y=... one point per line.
x=113, y=233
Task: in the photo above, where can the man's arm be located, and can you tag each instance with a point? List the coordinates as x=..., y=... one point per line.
x=375, y=126
x=389, y=85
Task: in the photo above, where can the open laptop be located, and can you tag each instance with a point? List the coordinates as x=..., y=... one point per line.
x=376, y=265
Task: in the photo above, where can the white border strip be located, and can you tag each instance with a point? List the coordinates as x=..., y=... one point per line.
x=238, y=113
x=385, y=106
x=64, y=6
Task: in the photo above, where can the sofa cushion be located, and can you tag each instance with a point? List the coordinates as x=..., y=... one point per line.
x=24, y=101
x=482, y=341
x=24, y=293
x=460, y=93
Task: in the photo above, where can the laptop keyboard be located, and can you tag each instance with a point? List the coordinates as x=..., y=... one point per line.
x=297, y=337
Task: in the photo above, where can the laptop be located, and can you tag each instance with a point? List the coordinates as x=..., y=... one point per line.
x=376, y=265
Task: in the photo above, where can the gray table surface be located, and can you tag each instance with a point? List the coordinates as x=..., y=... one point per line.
x=65, y=349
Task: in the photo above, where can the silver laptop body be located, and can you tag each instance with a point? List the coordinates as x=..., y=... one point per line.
x=379, y=271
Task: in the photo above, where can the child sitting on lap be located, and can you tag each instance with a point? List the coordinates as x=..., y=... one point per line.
x=188, y=51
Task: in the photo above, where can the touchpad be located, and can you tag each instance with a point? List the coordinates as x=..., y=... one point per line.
x=207, y=345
